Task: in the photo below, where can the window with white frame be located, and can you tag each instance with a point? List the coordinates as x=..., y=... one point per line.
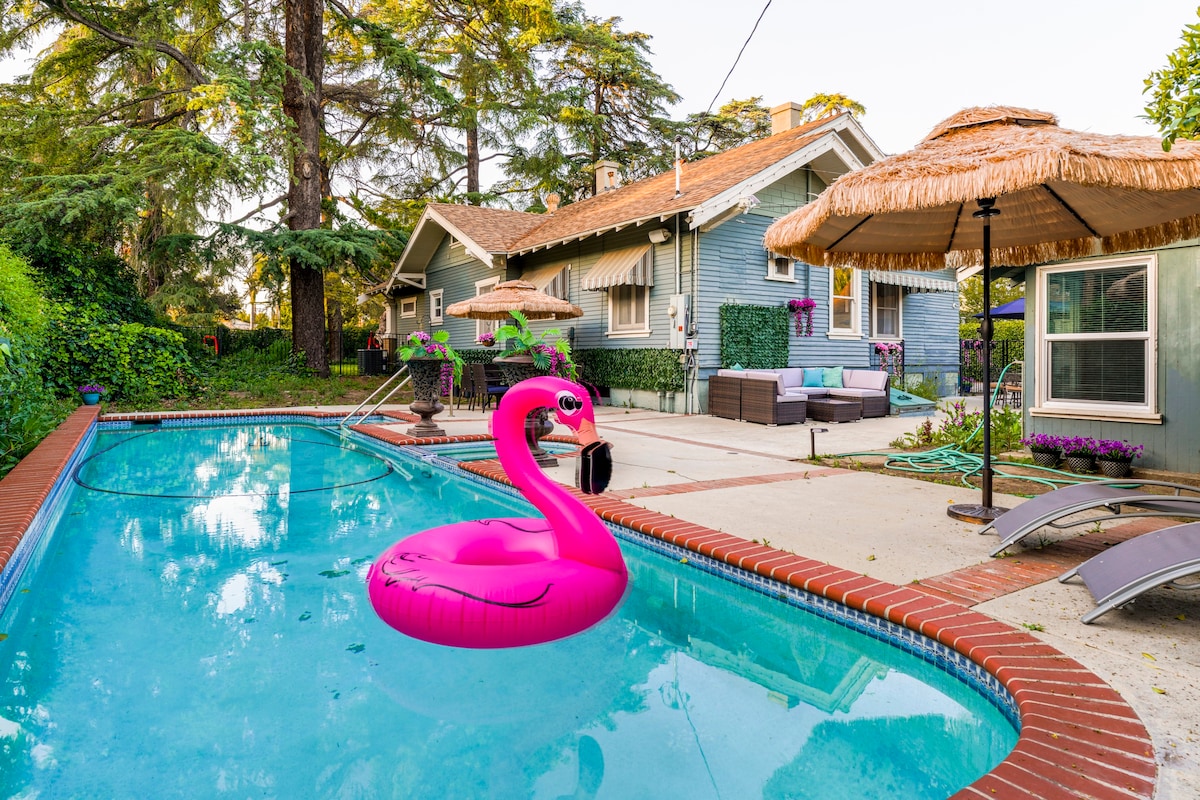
x=780, y=268
x=1097, y=340
x=843, y=301
x=885, y=311
x=483, y=326
x=629, y=309
x=408, y=307
x=436, y=317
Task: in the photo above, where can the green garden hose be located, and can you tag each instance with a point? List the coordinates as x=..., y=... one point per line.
x=951, y=458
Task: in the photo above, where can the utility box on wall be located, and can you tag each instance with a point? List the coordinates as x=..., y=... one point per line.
x=678, y=313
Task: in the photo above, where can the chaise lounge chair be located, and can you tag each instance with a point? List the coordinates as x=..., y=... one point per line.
x=1118, y=497
x=1125, y=571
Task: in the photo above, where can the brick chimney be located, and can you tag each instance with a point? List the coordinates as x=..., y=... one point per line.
x=785, y=117
x=608, y=176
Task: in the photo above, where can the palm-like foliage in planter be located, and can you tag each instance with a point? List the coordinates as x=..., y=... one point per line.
x=549, y=349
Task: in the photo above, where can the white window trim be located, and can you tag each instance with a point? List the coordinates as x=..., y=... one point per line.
x=854, y=332
x=1045, y=407
x=483, y=326
x=899, y=314
x=771, y=276
x=436, y=307
x=613, y=332
x=411, y=311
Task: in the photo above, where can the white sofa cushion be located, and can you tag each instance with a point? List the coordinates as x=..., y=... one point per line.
x=793, y=377
x=864, y=379
x=844, y=392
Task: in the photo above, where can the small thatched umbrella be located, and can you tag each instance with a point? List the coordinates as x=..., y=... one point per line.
x=999, y=185
x=514, y=296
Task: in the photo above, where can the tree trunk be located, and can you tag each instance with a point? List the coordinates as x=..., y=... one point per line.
x=304, y=52
x=473, y=162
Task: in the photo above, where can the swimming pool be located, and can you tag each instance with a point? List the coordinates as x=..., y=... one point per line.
x=194, y=623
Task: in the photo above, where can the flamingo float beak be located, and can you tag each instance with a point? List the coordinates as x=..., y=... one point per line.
x=594, y=468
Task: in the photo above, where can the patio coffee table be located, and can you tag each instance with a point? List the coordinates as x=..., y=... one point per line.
x=826, y=409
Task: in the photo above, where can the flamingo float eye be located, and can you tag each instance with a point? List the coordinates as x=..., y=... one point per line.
x=569, y=403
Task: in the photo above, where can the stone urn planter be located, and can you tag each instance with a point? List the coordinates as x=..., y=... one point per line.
x=516, y=369
x=427, y=390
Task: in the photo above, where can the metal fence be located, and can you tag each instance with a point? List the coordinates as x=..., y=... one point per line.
x=970, y=361
x=350, y=351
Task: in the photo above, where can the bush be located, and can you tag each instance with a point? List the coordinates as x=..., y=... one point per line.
x=134, y=361
x=651, y=370
x=28, y=410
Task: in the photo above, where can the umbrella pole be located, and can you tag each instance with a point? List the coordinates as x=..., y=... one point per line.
x=984, y=512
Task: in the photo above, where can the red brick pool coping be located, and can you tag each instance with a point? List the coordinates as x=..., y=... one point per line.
x=1079, y=738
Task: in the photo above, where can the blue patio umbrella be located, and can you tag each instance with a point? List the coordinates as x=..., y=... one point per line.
x=1014, y=309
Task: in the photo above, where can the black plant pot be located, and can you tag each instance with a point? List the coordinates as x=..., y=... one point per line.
x=537, y=425
x=1046, y=458
x=1115, y=468
x=427, y=390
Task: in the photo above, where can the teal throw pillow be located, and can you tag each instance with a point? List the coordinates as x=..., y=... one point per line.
x=814, y=378
x=833, y=377
x=738, y=367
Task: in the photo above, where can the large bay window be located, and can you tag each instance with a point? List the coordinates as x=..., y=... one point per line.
x=1097, y=336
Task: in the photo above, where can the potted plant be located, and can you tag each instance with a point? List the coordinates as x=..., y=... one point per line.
x=487, y=339
x=1046, y=448
x=802, y=310
x=434, y=367
x=1115, y=458
x=91, y=393
x=527, y=353
x=1080, y=453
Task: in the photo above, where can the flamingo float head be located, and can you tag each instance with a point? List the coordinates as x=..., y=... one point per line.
x=573, y=408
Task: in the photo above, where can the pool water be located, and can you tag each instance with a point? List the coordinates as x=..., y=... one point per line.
x=195, y=623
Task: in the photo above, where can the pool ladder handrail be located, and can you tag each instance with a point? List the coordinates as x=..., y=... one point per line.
x=403, y=371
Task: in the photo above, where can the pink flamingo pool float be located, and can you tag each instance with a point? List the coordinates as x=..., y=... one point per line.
x=514, y=581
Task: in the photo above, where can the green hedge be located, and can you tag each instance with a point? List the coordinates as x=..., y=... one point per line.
x=131, y=360
x=652, y=370
x=755, y=336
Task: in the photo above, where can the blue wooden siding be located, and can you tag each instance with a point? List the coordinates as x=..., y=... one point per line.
x=1174, y=444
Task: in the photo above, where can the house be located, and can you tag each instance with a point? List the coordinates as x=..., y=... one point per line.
x=1110, y=351
x=652, y=264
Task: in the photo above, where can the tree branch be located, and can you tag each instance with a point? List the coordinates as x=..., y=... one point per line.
x=170, y=51
x=262, y=207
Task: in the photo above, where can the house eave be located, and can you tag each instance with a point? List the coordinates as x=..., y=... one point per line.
x=658, y=216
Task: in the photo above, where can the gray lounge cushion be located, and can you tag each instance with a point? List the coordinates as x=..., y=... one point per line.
x=766, y=375
x=864, y=379
x=793, y=377
x=791, y=398
x=856, y=393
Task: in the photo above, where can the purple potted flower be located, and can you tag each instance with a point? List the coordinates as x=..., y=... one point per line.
x=1080, y=453
x=1046, y=448
x=1115, y=458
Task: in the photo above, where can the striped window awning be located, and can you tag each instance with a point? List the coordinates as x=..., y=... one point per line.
x=920, y=283
x=628, y=266
x=541, y=277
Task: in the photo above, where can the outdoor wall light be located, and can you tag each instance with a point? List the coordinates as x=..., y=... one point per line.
x=660, y=235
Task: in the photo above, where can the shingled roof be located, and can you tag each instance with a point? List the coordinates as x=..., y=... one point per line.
x=711, y=185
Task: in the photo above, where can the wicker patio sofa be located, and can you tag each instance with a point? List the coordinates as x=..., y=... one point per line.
x=747, y=394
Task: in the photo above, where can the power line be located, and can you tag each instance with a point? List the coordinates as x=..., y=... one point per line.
x=739, y=56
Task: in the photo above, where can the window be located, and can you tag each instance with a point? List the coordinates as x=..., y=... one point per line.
x=435, y=307
x=843, y=301
x=1097, y=325
x=483, y=326
x=885, y=311
x=780, y=268
x=408, y=306
x=560, y=285
x=629, y=309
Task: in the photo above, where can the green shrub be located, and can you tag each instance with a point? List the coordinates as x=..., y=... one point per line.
x=647, y=369
x=133, y=361
x=755, y=336
x=28, y=410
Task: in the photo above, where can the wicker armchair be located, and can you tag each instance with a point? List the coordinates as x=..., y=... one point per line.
x=725, y=397
x=762, y=403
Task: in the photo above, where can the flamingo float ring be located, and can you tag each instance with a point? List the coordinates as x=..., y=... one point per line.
x=514, y=581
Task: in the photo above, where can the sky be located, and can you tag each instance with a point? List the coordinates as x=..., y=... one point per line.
x=913, y=63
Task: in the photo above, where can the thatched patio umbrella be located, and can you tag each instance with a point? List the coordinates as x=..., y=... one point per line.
x=1004, y=186
x=514, y=296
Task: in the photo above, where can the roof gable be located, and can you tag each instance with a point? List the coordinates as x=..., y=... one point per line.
x=709, y=187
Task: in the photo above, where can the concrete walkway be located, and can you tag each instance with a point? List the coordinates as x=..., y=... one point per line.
x=750, y=481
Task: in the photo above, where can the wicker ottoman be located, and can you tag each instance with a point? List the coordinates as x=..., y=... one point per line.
x=829, y=410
